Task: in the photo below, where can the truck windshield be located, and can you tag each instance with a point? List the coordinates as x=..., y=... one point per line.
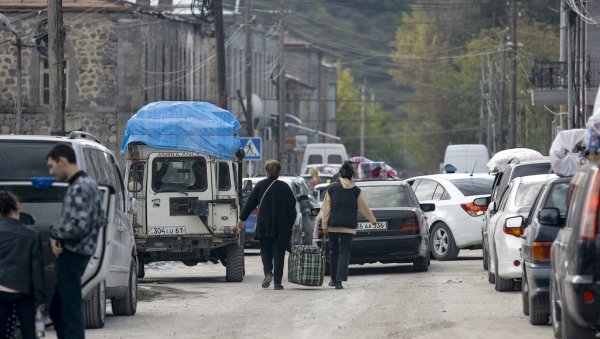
x=179, y=174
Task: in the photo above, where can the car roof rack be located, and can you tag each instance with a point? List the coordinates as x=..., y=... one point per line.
x=83, y=135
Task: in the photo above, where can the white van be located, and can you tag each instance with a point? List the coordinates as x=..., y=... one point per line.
x=315, y=154
x=466, y=158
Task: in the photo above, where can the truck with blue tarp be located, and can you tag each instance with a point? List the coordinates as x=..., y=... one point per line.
x=182, y=161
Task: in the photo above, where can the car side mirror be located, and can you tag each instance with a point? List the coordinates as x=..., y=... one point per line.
x=315, y=211
x=492, y=207
x=550, y=216
x=132, y=206
x=26, y=218
x=427, y=207
x=483, y=201
x=514, y=225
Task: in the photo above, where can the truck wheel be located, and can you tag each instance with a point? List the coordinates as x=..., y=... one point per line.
x=94, y=308
x=234, y=270
x=127, y=304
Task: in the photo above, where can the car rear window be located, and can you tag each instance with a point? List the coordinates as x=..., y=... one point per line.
x=386, y=196
x=526, y=194
x=44, y=205
x=474, y=186
x=530, y=169
x=24, y=159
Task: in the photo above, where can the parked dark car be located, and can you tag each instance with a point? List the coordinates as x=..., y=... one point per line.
x=546, y=218
x=401, y=234
x=501, y=181
x=575, y=257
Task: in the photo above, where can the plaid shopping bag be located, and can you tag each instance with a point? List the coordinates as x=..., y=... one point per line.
x=306, y=265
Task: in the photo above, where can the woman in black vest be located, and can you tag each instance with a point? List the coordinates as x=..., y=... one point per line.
x=340, y=204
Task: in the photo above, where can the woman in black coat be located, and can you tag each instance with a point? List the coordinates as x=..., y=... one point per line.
x=22, y=289
x=274, y=222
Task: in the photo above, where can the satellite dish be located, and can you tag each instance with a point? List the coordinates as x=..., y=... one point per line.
x=258, y=107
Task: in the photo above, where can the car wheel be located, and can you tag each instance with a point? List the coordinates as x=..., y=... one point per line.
x=442, y=244
x=486, y=257
x=94, y=308
x=420, y=264
x=554, y=310
x=127, y=304
x=141, y=273
x=570, y=329
x=502, y=285
x=234, y=268
x=525, y=297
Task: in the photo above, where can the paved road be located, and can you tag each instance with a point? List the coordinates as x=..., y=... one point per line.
x=452, y=300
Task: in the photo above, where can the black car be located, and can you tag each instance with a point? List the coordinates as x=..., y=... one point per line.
x=401, y=234
x=546, y=218
x=575, y=258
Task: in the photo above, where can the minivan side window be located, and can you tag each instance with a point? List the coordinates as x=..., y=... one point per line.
x=334, y=159
x=224, y=179
x=315, y=159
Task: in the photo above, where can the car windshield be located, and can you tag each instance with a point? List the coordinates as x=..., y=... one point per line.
x=386, y=196
x=557, y=198
x=474, y=186
x=179, y=174
x=24, y=159
x=526, y=194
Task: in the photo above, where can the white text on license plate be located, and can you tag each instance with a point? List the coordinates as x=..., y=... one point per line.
x=167, y=230
x=380, y=225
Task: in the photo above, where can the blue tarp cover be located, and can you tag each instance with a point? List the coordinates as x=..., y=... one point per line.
x=187, y=126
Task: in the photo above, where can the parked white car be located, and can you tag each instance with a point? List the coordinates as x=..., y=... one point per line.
x=456, y=222
x=504, y=230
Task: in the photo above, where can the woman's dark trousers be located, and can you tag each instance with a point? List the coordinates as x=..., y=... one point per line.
x=65, y=310
x=21, y=306
x=272, y=258
x=340, y=245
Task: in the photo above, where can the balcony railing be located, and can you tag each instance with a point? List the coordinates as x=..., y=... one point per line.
x=549, y=75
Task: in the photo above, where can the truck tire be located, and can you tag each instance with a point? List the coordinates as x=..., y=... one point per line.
x=234, y=270
x=94, y=308
x=127, y=304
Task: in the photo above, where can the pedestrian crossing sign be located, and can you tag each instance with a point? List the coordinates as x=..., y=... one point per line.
x=252, y=147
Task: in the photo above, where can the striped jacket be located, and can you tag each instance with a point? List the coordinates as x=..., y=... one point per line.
x=81, y=217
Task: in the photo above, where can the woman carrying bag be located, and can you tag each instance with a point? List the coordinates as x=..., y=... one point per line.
x=340, y=205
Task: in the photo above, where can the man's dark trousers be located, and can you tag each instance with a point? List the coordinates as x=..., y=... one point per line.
x=272, y=258
x=66, y=311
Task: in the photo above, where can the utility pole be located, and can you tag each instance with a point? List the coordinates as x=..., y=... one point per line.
x=281, y=93
x=19, y=86
x=481, y=103
x=56, y=67
x=248, y=75
x=512, y=122
x=362, y=120
x=220, y=41
x=502, y=90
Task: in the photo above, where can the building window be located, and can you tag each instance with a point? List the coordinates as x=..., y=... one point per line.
x=45, y=82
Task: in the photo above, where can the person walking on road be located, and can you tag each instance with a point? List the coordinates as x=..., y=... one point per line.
x=342, y=200
x=73, y=240
x=22, y=289
x=276, y=217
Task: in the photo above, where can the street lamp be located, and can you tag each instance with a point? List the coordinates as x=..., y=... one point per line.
x=6, y=24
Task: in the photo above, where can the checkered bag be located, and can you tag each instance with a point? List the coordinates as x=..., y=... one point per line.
x=306, y=265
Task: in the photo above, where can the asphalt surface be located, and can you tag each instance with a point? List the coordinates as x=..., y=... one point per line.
x=451, y=300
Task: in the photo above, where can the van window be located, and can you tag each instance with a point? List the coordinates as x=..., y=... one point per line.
x=224, y=177
x=179, y=174
x=334, y=159
x=315, y=159
x=24, y=159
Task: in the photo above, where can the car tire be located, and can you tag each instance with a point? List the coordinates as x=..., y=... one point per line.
x=442, y=244
x=525, y=297
x=94, y=308
x=502, y=285
x=127, y=304
x=234, y=268
x=554, y=310
x=486, y=257
x=141, y=273
x=571, y=330
x=420, y=264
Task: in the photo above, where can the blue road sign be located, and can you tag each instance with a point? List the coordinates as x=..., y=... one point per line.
x=252, y=147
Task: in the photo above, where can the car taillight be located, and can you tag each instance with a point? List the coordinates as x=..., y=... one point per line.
x=411, y=223
x=589, y=224
x=473, y=210
x=516, y=231
x=540, y=250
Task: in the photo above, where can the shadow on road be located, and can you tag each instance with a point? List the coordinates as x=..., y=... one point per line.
x=387, y=269
x=180, y=280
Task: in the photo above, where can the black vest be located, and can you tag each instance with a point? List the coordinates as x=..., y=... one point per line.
x=344, y=206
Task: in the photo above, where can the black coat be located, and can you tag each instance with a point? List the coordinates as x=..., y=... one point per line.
x=277, y=213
